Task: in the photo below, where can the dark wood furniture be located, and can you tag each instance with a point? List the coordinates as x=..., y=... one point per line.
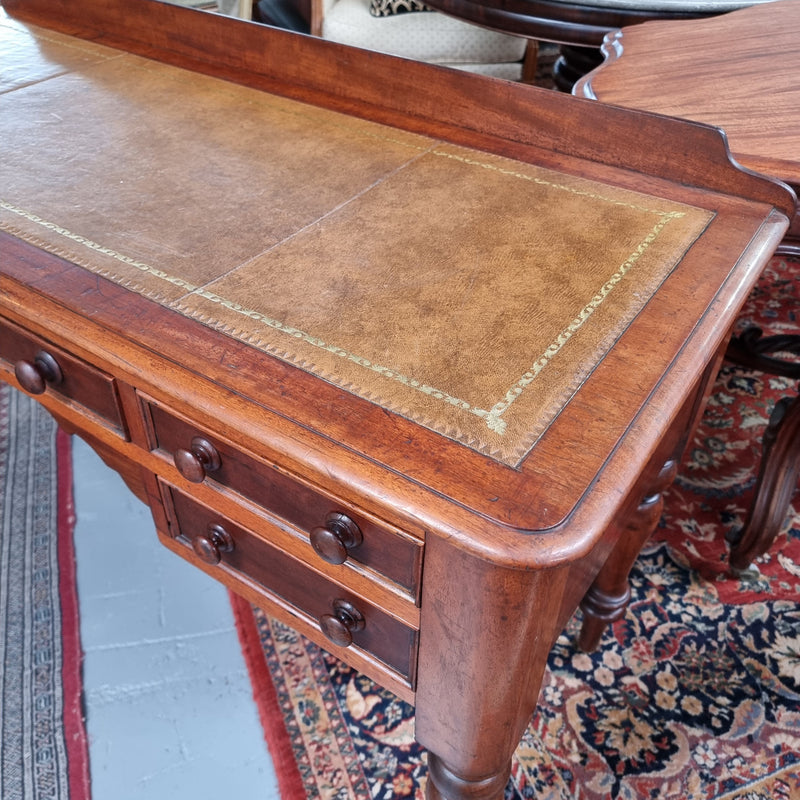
x=780, y=453
x=580, y=25
x=401, y=354
x=738, y=72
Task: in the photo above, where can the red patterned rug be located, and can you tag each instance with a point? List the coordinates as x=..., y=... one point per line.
x=43, y=747
x=693, y=695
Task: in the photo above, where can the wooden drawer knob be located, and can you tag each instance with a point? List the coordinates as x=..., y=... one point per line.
x=339, y=626
x=333, y=541
x=201, y=457
x=210, y=546
x=35, y=376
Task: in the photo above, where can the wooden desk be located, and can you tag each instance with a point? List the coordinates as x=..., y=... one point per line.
x=398, y=353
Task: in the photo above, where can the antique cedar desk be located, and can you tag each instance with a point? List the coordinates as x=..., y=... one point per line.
x=401, y=354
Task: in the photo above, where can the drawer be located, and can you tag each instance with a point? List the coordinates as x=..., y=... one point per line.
x=344, y=618
x=337, y=532
x=41, y=367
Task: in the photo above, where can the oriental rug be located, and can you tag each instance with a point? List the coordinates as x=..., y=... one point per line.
x=43, y=753
x=693, y=695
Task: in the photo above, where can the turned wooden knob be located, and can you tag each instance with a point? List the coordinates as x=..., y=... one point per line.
x=339, y=626
x=333, y=541
x=35, y=376
x=201, y=457
x=210, y=546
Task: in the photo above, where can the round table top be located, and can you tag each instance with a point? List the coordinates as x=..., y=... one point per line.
x=581, y=23
x=669, y=6
x=738, y=72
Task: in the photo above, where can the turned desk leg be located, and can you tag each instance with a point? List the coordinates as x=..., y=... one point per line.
x=485, y=636
x=777, y=480
x=608, y=596
x=446, y=785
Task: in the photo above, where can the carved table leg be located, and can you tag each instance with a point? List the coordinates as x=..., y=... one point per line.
x=573, y=63
x=777, y=480
x=780, y=455
x=608, y=596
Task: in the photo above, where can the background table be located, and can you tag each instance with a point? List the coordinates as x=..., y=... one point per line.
x=579, y=25
x=739, y=72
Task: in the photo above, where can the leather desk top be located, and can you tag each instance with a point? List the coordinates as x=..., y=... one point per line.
x=392, y=265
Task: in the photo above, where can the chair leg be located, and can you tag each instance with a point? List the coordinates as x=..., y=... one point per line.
x=777, y=480
x=530, y=62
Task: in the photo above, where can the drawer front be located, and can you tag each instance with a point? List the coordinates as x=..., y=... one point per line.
x=41, y=367
x=347, y=620
x=392, y=554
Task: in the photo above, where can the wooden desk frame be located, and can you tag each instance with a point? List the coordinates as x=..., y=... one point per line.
x=491, y=595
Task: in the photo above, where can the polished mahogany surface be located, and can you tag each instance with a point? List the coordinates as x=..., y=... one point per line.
x=578, y=22
x=737, y=72
x=579, y=26
x=151, y=296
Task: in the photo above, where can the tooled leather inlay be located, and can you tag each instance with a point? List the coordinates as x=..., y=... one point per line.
x=470, y=293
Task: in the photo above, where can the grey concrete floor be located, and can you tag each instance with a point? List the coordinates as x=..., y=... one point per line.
x=169, y=706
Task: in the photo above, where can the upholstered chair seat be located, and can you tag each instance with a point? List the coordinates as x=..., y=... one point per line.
x=424, y=36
